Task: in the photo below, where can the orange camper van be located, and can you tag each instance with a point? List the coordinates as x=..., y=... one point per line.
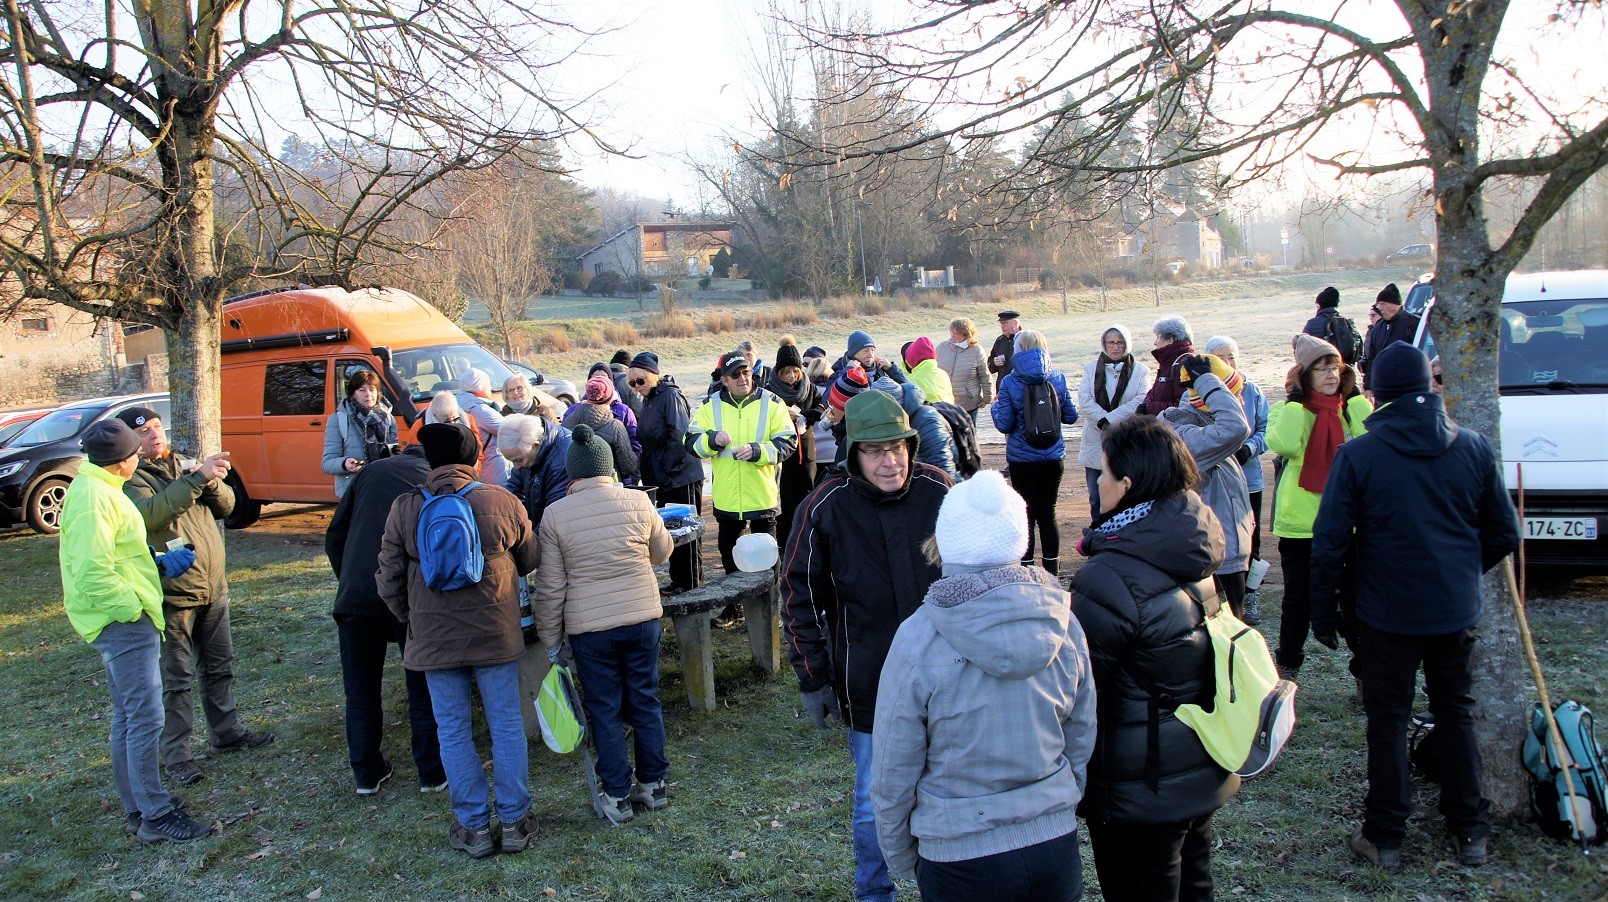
x=286, y=356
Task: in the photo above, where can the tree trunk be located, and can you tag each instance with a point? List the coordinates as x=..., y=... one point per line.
x=195, y=380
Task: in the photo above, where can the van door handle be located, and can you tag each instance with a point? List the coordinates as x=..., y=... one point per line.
x=316, y=423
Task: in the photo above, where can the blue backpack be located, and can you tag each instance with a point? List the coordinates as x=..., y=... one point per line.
x=448, y=540
x=1586, y=820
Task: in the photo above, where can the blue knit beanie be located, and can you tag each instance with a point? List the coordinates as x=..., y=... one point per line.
x=859, y=340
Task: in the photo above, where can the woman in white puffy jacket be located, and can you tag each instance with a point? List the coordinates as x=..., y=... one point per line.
x=1113, y=385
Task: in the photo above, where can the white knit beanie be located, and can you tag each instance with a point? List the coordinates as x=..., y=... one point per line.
x=982, y=523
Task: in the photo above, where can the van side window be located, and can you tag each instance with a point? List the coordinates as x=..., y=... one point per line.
x=294, y=389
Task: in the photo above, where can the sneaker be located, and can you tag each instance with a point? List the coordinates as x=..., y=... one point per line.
x=1253, y=614
x=474, y=843
x=175, y=826
x=648, y=795
x=1471, y=851
x=617, y=810
x=246, y=741
x=375, y=789
x=433, y=787
x=730, y=618
x=131, y=821
x=517, y=837
x=185, y=773
x=1387, y=860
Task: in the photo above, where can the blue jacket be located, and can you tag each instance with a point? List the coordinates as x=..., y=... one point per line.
x=545, y=480
x=937, y=447
x=1256, y=411
x=1423, y=504
x=1032, y=365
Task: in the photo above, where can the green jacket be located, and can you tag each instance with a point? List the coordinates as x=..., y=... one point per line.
x=107, y=572
x=933, y=382
x=175, y=504
x=1289, y=426
x=744, y=489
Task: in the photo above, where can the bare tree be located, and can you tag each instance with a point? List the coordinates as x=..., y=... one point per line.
x=1273, y=82
x=137, y=169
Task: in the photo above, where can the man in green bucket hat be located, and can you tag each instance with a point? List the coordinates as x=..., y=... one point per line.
x=854, y=570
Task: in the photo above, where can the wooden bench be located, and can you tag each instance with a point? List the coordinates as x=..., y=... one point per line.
x=689, y=613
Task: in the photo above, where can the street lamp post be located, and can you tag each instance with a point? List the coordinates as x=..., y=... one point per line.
x=859, y=229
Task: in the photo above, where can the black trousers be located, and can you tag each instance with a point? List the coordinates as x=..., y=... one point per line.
x=1295, y=556
x=1051, y=871
x=364, y=642
x=1162, y=862
x=732, y=530
x=796, y=481
x=1039, y=482
x=1256, y=526
x=686, y=568
x=1232, y=587
x=1389, y=663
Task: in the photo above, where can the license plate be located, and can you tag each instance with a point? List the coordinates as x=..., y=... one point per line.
x=1582, y=528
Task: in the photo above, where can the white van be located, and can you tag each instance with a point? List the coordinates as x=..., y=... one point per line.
x=1554, y=388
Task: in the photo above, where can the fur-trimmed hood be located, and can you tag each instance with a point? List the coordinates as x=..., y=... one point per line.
x=1009, y=621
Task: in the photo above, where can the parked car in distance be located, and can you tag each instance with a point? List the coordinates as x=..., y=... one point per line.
x=1412, y=253
x=12, y=422
x=1419, y=296
x=43, y=459
x=562, y=389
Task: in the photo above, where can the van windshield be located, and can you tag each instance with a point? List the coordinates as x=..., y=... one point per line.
x=1555, y=346
x=441, y=367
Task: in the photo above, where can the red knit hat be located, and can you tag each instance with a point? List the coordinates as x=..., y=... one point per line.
x=921, y=349
x=849, y=383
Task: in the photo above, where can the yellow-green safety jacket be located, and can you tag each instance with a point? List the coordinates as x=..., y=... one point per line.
x=107, y=572
x=744, y=489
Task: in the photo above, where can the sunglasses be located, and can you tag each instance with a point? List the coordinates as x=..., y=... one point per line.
x=638, y=383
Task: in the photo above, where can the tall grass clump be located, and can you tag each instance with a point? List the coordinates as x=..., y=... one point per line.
x=718, y=321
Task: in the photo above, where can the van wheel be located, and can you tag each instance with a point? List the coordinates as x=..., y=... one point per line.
x=246, y=511
x=44, y=505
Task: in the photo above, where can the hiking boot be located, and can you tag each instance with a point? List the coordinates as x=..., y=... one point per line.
x=185, y=773
x=1471, y=851
x=175, y=826
x=250, y=739
x=1387, y=860
x=375, y=789
x=517, y=837
x=729, y=618
x=1287, y=673
x=131, y=821
x=1253, y=615
x=474, y=843
x=649, y=795
x=618, y=811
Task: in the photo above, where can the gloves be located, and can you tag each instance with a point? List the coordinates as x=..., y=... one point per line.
x=1326, y=637
x=1243, y=455
x=1196, y=365
x=175, y=562
x=1102, y=424
x=821, y=705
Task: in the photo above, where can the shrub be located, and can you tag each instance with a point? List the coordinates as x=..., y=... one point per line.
x=704, y=283
x=620, y=332
x=717, y=321
x=838, y=308
x=577, y=279
x=869, y=305
x=556, y=341
x=670, y=326
x=932, y=300
x=608, y=282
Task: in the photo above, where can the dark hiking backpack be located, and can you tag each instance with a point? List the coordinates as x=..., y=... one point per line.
x=1342, y=333
x=968, y=457
x=1586, y=820
x=1041, y=415
x=449, y=542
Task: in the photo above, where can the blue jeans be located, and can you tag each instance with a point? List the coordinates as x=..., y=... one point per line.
x=871, y=880
x=466, y=779
x=619, y=671
x=132, y=653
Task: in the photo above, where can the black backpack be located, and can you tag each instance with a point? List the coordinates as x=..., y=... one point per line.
x=1342, y=333
x=1041, y=415
x=968, y=458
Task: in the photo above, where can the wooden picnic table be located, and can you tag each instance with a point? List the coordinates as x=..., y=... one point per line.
x=689, y=616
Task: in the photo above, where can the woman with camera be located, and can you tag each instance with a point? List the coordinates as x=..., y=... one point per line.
x=361, y=430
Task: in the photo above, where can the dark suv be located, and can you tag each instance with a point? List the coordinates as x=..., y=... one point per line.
x=39, y=463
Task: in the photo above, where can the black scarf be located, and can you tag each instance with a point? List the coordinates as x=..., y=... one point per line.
x=372, y=422
x=1101, y=396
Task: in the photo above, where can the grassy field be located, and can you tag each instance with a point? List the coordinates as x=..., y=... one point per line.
x=759, y=799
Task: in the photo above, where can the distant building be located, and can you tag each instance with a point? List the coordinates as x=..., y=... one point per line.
x=1169, y=235
x=659, y=250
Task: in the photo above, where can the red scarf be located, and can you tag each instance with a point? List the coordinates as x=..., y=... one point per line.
x=1327, y=434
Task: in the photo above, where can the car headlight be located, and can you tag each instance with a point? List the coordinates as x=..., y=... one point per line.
x=8, y=469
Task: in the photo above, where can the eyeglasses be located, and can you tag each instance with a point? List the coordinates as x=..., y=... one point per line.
x=638, y=383
x=882, y=451
x=1326, y=370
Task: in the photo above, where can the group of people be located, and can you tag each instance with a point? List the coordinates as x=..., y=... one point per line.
x=987, y=708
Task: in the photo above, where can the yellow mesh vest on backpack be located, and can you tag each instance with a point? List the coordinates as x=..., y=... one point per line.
x=1253, y=711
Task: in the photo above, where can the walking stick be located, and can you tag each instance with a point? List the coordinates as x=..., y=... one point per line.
x=1558, y=748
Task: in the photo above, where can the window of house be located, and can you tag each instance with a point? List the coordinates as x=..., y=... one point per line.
x=294, y=389
x=36, y=324
x=597, y=269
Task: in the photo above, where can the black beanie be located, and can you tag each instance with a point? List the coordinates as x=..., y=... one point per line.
x=1399, y=370
x=1329, y=297
x=109, y=442
x=1390, y=294
x=787, y=355
x=449, y=443
x=621, y=357
x=588, y=455
x=647, y=360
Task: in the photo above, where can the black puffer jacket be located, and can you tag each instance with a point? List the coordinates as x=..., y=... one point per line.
x=1142, y=599
x=611, y=430
x=852, y=571
x=661, y=425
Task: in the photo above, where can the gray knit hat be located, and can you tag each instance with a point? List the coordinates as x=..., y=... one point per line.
x=589, y=455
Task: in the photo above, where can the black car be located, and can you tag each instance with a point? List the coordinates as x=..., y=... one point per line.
x=39, y=463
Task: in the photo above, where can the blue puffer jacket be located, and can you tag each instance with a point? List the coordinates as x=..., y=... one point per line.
x=1032, y=365
x=937, y=447
x=545, y=480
